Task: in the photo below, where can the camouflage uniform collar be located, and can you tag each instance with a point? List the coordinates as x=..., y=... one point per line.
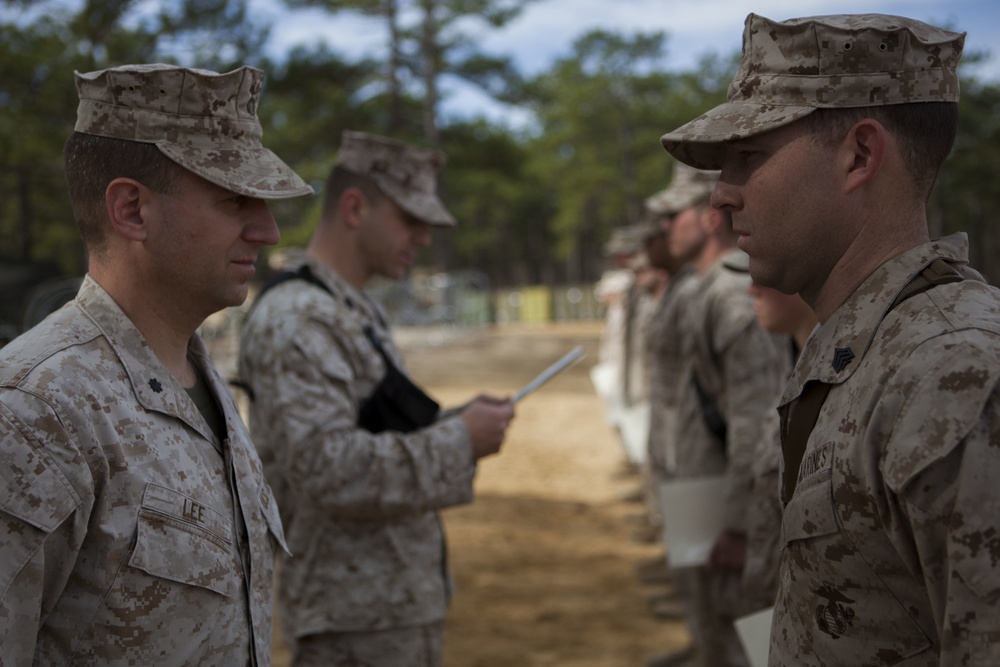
x=154, y=387
x=718, y=267
x=334, y=282
x=349, y=295
x=836, y=348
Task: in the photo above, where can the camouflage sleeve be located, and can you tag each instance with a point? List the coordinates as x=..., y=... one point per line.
x=944, y=465
x=763, y=559
x=754, y=369
x=310, y=412
x=42, y=524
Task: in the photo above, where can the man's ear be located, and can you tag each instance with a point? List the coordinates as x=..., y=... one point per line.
x=125, y=199
x=864, y=147
x=353, y=207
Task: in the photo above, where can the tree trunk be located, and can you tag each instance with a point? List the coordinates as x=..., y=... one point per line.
x=429, y=61
x=390, y=9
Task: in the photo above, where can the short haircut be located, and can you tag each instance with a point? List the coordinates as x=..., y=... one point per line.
x=92, y=162
x=341, y=180
x=925, y=130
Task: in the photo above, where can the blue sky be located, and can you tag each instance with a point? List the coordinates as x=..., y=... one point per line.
x=546, y=30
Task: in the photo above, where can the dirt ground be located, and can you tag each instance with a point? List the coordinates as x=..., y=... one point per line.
x=544, y=561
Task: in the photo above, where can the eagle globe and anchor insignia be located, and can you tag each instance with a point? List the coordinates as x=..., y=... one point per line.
x=835, y=616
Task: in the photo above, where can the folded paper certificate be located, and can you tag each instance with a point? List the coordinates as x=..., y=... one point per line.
x=550, y=372
x=633, y=423
x=693, y=518
x=604, y=377
x=755, y=633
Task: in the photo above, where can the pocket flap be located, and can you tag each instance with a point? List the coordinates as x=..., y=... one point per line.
x=180, y=539
x=811, y=512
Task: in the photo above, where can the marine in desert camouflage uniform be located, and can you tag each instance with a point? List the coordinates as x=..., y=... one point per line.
x=688, y=188
x=368, y=583
x=734, y=370
x=136, y=527
x=829, y=145
x=784, y=314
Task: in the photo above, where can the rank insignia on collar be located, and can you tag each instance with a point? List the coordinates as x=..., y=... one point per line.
x=841, y=357
x=155, y=385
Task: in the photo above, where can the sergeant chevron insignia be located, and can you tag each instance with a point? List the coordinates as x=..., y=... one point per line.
x=841, y=357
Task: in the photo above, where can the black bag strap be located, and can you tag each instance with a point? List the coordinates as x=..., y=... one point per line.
x=305, y=273
x=710, y=413
x=302, y=273
x=803, y=417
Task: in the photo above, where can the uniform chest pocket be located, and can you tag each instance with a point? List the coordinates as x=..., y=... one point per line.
x=182, y=540
x=811, y=512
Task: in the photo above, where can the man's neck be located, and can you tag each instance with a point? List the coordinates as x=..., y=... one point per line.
x=715, y=247
x=340, y=254
x=165, y=328
x=866, y=253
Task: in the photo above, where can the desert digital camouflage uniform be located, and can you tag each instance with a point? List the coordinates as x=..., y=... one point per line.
x=666, y=361
x=764, y=506
x=361, y=508
x=764, y=511
x=129, y=533
x=133, y=531
x=642, y=304
x=741, y=368
x=890, y=536
x=890, y=553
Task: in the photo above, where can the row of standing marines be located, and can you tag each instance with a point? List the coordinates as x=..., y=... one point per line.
x=139, y=522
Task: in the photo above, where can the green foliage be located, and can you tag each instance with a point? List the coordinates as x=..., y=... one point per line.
x=535, y=204
x=39, y=52
x=967, y=194
x=601, y=111
x=501, y=218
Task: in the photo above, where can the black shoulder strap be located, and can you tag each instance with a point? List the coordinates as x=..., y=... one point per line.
x=303, y=273
x=712, y=417
x=803, y=416
x=377, y=344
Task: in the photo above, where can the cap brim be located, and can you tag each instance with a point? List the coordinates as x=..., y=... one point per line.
x=426, y=207
x=671, y=202
x=701, y=142
x=256, y=172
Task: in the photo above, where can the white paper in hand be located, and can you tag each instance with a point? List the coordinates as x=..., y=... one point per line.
x=693, y=518
x=550, y=372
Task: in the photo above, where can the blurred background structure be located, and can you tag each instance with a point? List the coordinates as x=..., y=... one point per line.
x=566, y=155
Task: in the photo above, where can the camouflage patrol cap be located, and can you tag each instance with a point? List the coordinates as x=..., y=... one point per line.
x=688, y=187
x=204, y=121
x=405, y=173
x=791, y=68
x=624, y=241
